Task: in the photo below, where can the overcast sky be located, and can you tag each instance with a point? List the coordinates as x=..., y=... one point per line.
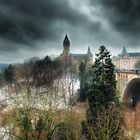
x=31, y=28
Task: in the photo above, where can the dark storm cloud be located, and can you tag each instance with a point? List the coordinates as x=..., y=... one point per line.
x=25, y=21
x=124, y=16
x=28, y=26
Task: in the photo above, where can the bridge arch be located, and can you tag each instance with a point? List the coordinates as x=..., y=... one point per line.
x=128, y=78
x=132, y=89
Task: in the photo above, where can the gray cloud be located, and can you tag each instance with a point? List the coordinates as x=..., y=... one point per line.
x=123, y=16
x=37, y=27
x=28, y=21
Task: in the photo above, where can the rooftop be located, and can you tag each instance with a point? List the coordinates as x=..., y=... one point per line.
x=134, y=54
x=79, y=56
x=66, y=39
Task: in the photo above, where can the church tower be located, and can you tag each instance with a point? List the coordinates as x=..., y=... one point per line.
x=89, y=52
x=66, y=46
x=89, y=55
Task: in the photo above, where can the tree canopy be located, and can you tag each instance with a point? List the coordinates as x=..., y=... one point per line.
x=101, y=89
x=9, y=73
x=83, y=75
x=102, y=86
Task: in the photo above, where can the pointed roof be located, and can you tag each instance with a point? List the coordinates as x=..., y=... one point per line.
x=89, y=51
x=124, y=52
x=66, y=39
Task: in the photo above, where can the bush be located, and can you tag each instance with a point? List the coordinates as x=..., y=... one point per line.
x=109, y=125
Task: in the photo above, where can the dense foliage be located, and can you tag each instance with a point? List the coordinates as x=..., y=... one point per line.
x=9, y=73
x=45, y=71
x=102, y=86
x=83, y=76
x=101, y=91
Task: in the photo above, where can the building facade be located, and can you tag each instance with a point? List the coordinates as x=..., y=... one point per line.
x=75, y=58
x=126, y=60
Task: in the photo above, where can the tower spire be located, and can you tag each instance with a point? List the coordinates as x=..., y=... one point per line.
x=124, y=52
x=66, y=46
x=66, y=39
x=89, y=51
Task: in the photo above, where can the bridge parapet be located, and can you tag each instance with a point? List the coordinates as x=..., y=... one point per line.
x=127, y=71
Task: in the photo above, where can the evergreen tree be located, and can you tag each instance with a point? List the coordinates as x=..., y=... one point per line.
x=9, y=73
x=101, y=89
x=102, y=86
x=83, y=79
x=82, y=67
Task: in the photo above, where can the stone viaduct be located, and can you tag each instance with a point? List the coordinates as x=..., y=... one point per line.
x=123, y=77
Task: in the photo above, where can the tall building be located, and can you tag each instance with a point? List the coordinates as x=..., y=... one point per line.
x=75, y=58
x=66, y=46
x=126, y=60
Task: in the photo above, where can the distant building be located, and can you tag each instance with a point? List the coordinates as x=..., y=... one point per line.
x=66, y=56
x=126, y=60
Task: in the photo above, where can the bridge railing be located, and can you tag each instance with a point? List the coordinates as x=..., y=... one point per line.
x=135, y=71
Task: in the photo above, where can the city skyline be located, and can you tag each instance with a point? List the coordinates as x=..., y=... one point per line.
x=36, y=28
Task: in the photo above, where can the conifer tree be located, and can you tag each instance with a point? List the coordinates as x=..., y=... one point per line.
x=102, y=85
x=101, y=91
x=9, y=73
x=82, y=74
